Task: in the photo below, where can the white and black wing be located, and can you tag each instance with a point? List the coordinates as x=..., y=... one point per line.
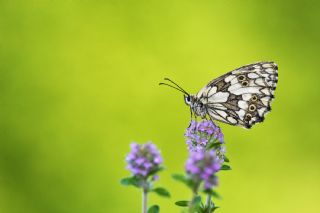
x=242, y=96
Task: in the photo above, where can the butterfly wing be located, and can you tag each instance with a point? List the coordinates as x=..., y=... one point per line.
x=242, y=96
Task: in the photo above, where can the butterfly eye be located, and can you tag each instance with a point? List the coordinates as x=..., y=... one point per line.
x=187, y=99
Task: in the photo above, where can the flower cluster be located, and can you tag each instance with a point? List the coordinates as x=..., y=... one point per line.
x=201, y=135
x=202, y=166
x=206, y=147
x=143, y=159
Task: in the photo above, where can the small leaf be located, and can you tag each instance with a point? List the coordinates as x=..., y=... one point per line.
x=130, y=181
x=182, y=203
x=214, y=208
x=156, y=171
x=213, y=145
x=225, y=167
x=154, y=209
x=183, y=179
x=196, y=204
x=213, y=193
x=161, y=191
x=179, y=177
x=226, y=159
x=196, y=200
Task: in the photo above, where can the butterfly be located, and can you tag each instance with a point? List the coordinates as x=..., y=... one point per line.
x=241, y=97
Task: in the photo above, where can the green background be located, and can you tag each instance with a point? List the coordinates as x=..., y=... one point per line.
x=79, y=83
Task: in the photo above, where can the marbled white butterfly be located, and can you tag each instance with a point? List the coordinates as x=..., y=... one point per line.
x=240, y=97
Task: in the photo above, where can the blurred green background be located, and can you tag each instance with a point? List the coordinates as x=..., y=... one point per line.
x=79, y=83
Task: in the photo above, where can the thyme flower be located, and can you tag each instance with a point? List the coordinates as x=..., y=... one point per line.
x=143, y=159
x=205, y=135
x=202, y=167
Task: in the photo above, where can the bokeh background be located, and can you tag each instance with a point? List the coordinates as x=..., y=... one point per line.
x=79, y=83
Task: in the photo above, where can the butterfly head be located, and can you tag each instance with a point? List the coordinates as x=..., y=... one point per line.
x=195, y=105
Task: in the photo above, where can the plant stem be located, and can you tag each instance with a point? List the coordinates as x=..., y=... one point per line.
x=144, y=200
x=209, y=203
x=190, y=207
x=194, y=195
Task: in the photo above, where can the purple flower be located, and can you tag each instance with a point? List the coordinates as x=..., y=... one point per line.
x=143, y=159
x=200, y=135
x=202, y=167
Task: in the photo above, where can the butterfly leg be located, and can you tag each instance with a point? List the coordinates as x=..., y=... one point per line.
x=211, y=119
x=191, y=115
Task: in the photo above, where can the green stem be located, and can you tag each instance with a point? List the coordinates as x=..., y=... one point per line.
x=209, y=203
x=194, y=194
x=144, y=200
x=191, y=203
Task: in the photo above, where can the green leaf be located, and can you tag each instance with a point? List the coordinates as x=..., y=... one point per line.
x=196, y=200
x=161, y=191
x=214, y=208
x=226, y=159
x=130, y=181
x=213, y=145
x=153, y=172
x=196, y=204
x=183, y=179
x=180, y=178
x=154, y=209
x=182, y=203
x=225, y=167
x=212, y=193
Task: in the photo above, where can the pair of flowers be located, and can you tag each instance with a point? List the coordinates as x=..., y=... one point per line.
x=205, y=143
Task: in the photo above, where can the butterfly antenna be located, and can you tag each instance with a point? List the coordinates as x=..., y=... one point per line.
x=181, y=89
